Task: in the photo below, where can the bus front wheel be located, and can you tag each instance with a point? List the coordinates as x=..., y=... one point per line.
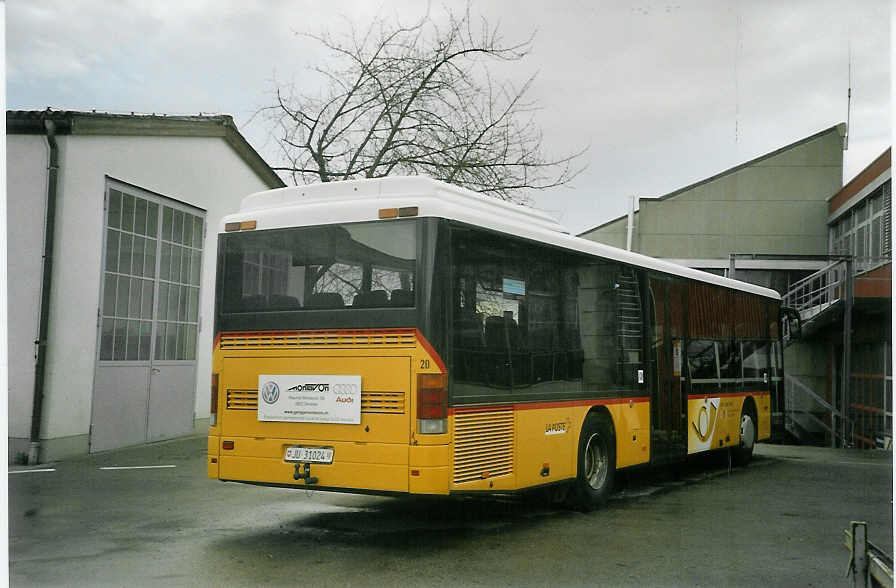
x=597, y=462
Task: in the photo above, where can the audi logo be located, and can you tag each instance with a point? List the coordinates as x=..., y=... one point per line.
x=344, y=388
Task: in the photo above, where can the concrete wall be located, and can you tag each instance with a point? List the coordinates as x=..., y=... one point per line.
x=776, y=204
x=203, y=172
x=26, y=188
x=614, y=233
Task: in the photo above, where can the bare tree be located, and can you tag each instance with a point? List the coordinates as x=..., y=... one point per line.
x=419, y=100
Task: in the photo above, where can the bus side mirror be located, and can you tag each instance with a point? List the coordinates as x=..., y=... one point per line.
x=791, y=325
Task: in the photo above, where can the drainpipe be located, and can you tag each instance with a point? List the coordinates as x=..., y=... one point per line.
x=46, y=278
x=631, y=223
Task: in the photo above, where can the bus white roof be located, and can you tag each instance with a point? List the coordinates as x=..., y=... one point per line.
x=361, y=200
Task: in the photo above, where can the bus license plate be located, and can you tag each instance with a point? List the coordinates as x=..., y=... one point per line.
x=310, y=454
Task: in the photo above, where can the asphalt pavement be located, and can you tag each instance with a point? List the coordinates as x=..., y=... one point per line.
x=149, y=516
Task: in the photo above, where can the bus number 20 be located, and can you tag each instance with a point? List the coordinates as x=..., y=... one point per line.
x=424, y=364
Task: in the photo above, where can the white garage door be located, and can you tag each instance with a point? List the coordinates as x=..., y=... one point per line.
x=145, y=382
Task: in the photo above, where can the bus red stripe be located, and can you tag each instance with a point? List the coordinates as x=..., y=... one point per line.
x=432, y=352
x=728, y=395
x=543, y=405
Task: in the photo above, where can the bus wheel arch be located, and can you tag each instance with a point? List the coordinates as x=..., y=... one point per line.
x=596, y=460
x=748, y=431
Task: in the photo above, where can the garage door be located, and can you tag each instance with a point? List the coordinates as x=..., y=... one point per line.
x=145, y=383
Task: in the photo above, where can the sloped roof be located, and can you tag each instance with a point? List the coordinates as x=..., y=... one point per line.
x=870, y=173
x=73, y=122
x=838, y=128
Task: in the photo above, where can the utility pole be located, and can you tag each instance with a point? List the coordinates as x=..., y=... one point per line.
x=846, y=372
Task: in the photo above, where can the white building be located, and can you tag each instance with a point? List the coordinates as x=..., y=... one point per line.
x=129, y=270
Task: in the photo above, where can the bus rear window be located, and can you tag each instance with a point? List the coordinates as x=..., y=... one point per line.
x=363, y=265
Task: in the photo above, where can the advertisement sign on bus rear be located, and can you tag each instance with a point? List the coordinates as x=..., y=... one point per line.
x=309, y=398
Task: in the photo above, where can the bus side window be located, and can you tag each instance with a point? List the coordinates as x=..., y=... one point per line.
x=703, y=366
x=516, y=320
x=598, y=324
x=729, y=365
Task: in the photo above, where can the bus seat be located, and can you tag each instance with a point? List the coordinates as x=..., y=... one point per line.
x=372, y=299
x=325, y=300
x=280, y=302
x=495, y=334
x=468, y=330
x=256, y=302
x=402, y=298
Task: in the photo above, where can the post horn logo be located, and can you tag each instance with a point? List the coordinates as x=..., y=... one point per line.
x=705, y=422
x=270, y=392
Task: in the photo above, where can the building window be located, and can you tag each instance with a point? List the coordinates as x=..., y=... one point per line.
x=863, y=231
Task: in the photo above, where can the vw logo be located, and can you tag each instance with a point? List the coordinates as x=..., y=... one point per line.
x=270, y=392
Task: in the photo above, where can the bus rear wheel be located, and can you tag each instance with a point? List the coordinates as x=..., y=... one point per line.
x=597, y=463
x=744, y=451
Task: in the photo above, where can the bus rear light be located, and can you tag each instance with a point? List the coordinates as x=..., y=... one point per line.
x=213, y=412
x=227, y=445
x=432, y=403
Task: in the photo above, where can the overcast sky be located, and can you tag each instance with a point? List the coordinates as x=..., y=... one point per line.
x=665, y=93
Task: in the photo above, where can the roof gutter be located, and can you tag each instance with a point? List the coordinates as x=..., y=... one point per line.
x=46, y=280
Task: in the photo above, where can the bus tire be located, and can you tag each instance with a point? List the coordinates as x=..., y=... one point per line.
x=744, y=450
x=596, y=464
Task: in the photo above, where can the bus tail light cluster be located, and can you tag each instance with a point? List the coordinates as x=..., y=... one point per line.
x=213, y=413
x=432, y=403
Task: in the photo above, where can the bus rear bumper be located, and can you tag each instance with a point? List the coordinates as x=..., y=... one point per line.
x=348, y=475
x=371, y=467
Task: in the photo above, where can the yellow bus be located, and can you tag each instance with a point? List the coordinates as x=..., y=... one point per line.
x=406, y=336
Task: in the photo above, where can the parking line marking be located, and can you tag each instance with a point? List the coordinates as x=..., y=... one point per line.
x=29, y=471
x=152, y=467
x=866, y=463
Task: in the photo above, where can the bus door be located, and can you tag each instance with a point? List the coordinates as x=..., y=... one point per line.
x=668, y=404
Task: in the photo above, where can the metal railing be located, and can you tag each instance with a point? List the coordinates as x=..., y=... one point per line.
x=864, y=264
x=869, y=565
x=827, y=286
x=818, y=291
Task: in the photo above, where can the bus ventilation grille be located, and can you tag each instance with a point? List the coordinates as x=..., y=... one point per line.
x=371, y=402
x=388, y=402
x=483, y=445
x=242, y=399
x=316, y=339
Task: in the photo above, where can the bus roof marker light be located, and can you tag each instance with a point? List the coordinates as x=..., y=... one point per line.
x=229, y=227
x=248, y=225
x=408, y=211
x=388, y=213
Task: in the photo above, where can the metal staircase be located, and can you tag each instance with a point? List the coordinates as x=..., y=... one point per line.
x=819, y=299
x=825, y=299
